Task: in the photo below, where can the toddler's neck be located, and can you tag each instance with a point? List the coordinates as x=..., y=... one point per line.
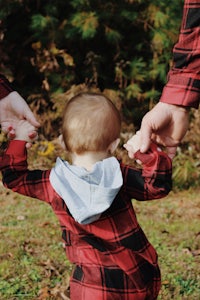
x=88, y=159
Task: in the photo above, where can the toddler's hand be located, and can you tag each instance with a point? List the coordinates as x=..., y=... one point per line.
x=25, y=131
x=133, y=144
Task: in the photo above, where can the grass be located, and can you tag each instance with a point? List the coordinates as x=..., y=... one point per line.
x=33, y=264
x=172, y=225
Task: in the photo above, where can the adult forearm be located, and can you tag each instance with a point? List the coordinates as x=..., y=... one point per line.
x=183, y=85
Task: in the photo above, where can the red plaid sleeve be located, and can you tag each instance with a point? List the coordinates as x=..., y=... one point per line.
x=153, y=181
x=183, y=86
x=16, y=176
x=5, y=87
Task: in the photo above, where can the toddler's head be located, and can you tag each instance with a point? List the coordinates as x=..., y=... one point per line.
x=91, y=122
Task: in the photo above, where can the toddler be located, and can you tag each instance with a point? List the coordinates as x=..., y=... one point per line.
x=92, y=198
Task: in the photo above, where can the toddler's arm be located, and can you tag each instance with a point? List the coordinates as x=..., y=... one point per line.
x=153, y=181
x=14, y=167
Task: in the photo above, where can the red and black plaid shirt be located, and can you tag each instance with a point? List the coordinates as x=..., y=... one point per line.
x=115, y=244
x=183, y=86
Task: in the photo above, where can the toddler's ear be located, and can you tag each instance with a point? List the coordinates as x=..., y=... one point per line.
x=113, y=146
x=60, y=139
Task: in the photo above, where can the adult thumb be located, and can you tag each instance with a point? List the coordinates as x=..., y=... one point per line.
x=29, y=116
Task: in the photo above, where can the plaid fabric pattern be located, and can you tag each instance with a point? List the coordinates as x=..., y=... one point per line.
x=91, y=282
x=183, y=86
x=5, y=87
x=112, y=256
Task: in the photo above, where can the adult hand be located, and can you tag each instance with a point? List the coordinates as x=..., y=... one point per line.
x=13, y=108
x=166, y=125
x=25, y=131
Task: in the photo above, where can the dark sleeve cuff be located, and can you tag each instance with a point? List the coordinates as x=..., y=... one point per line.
x=5, y=87
x=181, y=90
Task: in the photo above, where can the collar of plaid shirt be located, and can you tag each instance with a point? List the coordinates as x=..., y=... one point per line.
x=87, y=194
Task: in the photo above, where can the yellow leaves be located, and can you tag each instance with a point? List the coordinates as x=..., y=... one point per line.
x=114, y=96
x=133, y=90
x=158, y=41
x=36, y=46
x=47, y=59
x=156, y=16
x=45, y=148
x=158, y=19
x=86, y=23
x=68, y=59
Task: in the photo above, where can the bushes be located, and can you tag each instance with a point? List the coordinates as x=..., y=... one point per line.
x=125, y=45
x=51, y=50
x=187, y=162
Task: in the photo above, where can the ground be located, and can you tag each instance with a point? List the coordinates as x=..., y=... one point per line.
x=33, y=263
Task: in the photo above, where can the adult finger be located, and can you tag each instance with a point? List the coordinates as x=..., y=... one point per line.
x=29, y=116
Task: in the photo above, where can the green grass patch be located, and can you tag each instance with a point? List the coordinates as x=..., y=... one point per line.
x=33, y=264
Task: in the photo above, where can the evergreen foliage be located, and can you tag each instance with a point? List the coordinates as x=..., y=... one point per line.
x=52, y=49
x=46, y=46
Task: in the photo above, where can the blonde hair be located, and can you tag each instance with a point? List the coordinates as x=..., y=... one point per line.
x=91, y=122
